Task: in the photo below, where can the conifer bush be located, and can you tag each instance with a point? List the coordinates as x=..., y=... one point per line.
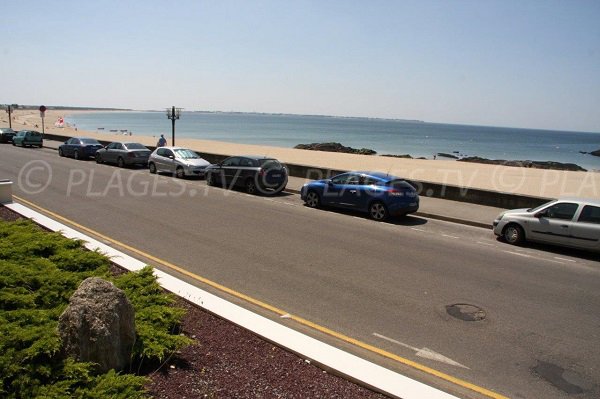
x=39, y=271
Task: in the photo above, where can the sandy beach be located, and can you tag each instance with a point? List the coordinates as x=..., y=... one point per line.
x=516, y=180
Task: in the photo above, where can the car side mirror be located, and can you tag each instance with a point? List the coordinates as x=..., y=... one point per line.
x=329, y=182
x=540, y=214
x=171, y=156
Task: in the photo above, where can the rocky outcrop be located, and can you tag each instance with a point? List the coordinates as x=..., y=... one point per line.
x=407, y=156
x=335, y=147
x=596, y=153
x=446, y=155
x=98, y=325
x=526, y=164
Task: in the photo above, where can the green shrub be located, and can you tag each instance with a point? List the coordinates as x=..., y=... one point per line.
x=39, y=271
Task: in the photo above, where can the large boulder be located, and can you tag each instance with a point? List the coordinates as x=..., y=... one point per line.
x=596, y=153
x=98, y=325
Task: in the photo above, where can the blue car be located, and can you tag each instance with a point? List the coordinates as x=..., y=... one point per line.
x=379, y=194
x=79, y=148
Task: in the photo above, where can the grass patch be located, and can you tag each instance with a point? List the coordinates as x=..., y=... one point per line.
x=39, y=271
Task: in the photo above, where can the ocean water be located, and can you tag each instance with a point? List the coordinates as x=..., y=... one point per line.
x=419, y=139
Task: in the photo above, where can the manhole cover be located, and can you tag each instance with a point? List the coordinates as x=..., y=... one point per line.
x=465, y=312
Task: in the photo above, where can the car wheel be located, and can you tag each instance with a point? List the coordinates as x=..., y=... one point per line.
x=76, y=155
x=312, y=199
x=98, y=158
x=152, y=167
x=513, y=234
x=120, y=162
x=14, y=144
x=378, y=211
x=61, y=153
x=250, y=186
x=179, y=173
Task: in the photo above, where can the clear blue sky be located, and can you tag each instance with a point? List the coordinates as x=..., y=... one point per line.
x=516, y=63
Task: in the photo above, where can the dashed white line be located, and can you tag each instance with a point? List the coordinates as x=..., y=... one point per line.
x=416, y=229
x=486, y=243
x=449, y=236
x=566, y=260
x=517, y=253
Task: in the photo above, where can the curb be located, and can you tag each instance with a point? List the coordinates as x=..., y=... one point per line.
x=326, y=356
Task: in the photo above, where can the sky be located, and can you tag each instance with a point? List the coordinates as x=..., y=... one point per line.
x=513, y=63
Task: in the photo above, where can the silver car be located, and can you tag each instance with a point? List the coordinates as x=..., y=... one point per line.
x=178, y=161
x=123, y=154
x=568, y=222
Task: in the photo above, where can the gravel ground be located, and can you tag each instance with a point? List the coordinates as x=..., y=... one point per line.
x=227, y=361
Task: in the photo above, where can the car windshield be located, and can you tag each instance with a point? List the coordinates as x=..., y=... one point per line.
x=186, y=154
x=90, y=141
x=135, y=146
x=537, y=208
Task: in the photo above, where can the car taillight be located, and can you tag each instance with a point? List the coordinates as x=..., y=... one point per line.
x=395, y=193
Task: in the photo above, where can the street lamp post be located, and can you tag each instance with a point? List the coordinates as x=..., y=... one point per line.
x=173, y=114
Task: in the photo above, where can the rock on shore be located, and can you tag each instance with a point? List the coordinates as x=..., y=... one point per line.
x=596, y=153
x=335, y=147
x=527, y=164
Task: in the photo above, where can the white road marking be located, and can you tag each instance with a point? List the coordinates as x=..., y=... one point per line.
x=423, y=230
x=517, y=253
x=423, y=352
x=486, y=243
x=566, y=260
x=449, y=236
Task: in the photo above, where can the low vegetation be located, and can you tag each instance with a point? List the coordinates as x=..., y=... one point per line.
x=39, y=271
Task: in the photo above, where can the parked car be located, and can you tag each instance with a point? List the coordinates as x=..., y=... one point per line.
x=6, y=135
x=254, y=173
x=79, y=148
x=379, y=194
x=124, y=154
x=177, y=160
x=28, y=138
x=568, y=222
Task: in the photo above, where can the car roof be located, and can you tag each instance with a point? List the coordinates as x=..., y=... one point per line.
x=377, y=175
x=255, y=157
x=588, y=201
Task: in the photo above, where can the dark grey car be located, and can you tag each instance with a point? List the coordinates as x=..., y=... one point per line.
x=123, y=154
x=6, y=135
x=255, y=174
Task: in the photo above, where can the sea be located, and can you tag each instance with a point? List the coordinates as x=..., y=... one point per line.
x=386, y=136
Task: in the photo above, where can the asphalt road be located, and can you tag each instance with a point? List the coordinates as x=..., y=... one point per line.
x=386, y=284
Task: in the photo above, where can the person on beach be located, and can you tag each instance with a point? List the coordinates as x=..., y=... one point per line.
x=161, y=141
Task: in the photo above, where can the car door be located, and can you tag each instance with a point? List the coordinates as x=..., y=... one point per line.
x=230, y=170
x=109, y=153
x=586, y=231
x=335, y=189
x=70, y=145
x=351, y=191
x=165, y=160
x=553, y=224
